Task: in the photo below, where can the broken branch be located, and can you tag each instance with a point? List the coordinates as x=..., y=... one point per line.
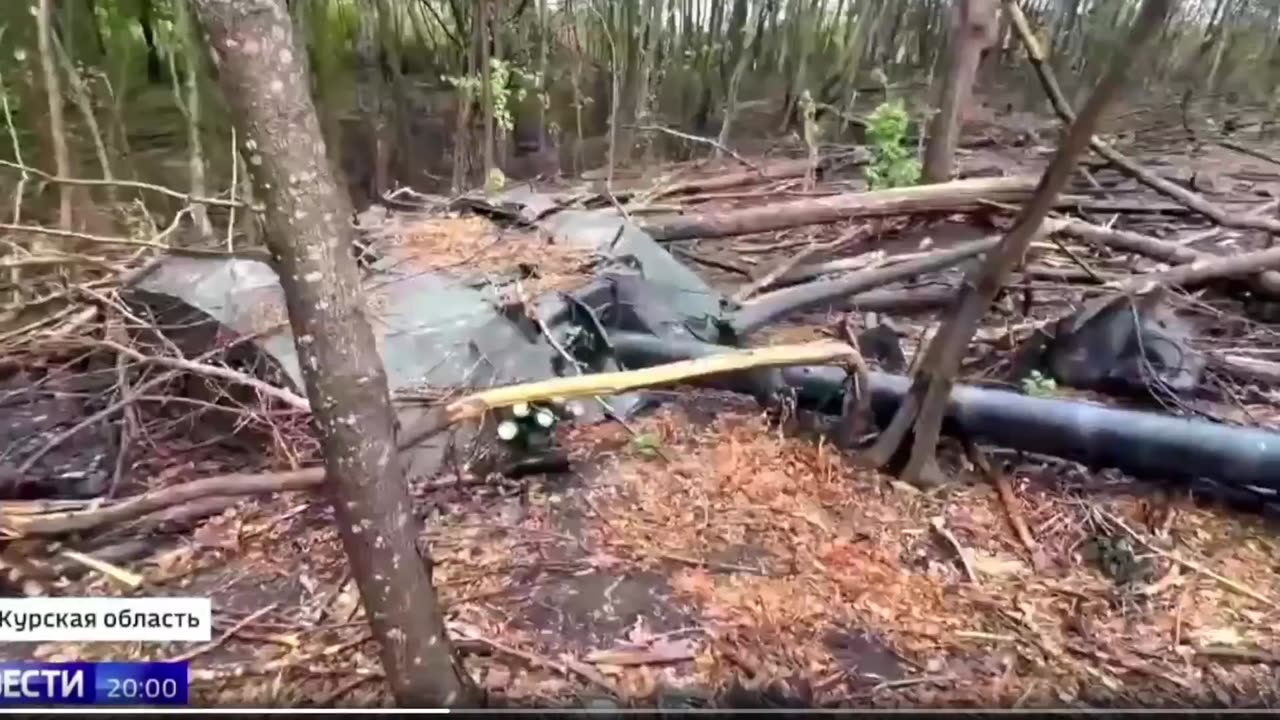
x=612, y=383
x=1155, y=248
x=132, y=184
x=82, y=520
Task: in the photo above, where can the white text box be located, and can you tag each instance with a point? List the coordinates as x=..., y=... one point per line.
x=105, y=619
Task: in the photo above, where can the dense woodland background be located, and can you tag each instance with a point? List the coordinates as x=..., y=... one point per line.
x=572, y=84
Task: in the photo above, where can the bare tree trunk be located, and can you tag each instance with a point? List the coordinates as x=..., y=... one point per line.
x=650, y=80
x=1060, y=42
x=613, y=100
x=579, y=62
x=463, y=157
x=485, y=19
x=637, y=31
x=544, y=85
x=57, y=126
x=310, y=237
x=990, y=65
x=739, y=69
x=195, y=147
x=154, y=73
x=807, y=24
x=921, y=411
x=371, y=99
x=398, y=107
x=893, y=38
x=707, y=73
x=80, y=94
x=1211, y=81
x=501, y=144
x=975, y=28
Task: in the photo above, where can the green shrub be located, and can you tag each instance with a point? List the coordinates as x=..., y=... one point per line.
x=893, y=163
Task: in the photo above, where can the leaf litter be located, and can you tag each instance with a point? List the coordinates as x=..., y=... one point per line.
x=757, y=562
x=473, y=245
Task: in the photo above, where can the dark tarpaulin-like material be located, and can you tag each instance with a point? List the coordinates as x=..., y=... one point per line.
x=436, y=330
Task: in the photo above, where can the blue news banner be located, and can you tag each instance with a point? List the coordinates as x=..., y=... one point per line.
x=99, y=684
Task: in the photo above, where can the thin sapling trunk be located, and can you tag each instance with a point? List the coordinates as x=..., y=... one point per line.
x=310, y=237
x=923, y=408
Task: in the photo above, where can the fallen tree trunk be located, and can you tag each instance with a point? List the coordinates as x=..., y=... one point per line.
x=777, y=171
x=774, y=306
x=1216, y=268
x=957, y=196
x=901, y=301
x=1247, y=367
x=147, y=503
x=1267, y=281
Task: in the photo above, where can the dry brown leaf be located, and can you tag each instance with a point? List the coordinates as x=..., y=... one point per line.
x=657, y=652
x=170, y=561
x=292, y=640
x=997, y=565
x=1222, y=636
x=215, y=534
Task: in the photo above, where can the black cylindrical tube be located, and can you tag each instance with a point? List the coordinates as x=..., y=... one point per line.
x=1143, y=444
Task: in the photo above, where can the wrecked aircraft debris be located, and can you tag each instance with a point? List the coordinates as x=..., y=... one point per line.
x=643, y=307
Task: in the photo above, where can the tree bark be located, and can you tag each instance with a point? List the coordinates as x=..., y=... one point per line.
x=544, y=84
x=957, y=196
x=463, y=150
x=154, y=72
x=310, y=238
x=976, y=25
x=921, y=412
x=1266, y=281
x=53, y=92
x=501, y=144
x=741, y=60
x=195, y=144
x=484, y=17
x=371, y=100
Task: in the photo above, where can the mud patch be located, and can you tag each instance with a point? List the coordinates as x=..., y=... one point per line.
x=864, y=657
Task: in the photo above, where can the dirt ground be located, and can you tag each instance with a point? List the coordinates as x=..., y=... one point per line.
x=703, y=560
x=699, y=555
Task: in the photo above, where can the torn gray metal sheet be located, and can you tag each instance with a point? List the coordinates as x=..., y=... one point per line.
x=529, y=204
x=598, y=229
x=631, y=255
x=243, y=295
x=431, y=330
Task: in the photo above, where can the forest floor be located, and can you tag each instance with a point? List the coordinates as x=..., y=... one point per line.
x=702, y=556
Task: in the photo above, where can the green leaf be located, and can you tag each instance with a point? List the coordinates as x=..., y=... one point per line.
x=647, y=443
